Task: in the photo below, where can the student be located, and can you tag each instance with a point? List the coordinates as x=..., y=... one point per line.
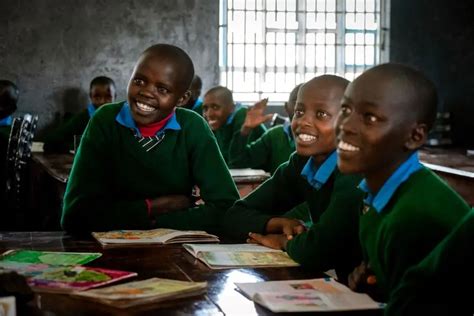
x=139, y=160
x=195, y=102
x=440, y=284
x=270, y=150
x=102, y=90
x=310, y=175
x=9, y=94
x=385, y=116
x=226, y=118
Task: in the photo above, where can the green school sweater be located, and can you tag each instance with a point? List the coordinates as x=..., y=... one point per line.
x=112, y=175
x=434, y=286
x=332, y=240
x=267, y=152
x=61, y=139
x=227, y=134
x=422, y=211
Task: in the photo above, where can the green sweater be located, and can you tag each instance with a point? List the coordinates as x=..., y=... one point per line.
x=434, y=287
x=61, y=139
x=267, y=152
x=332, y=240
x=112, y=175
x=227, y=134
x=422, y=211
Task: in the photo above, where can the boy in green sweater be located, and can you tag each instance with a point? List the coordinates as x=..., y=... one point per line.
x=385, y=116
x=270, y=150
x=225, y=119
x=440, y=284
x=310, y=176
x=61, y=139
x=195, y=102
x=139, y=160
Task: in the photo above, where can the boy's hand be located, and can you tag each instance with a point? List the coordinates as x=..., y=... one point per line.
x=286, y=226
x=255, y=117
x=169, y=203
x=363, y=279
x=275, y=241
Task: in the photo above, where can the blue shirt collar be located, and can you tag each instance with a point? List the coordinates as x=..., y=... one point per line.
x=91, y=109
x=6, y=121
x=287, y=130
x=317, y=177
x=124, y=117
x=237, y=107
x=197, y=103
x=403, y=172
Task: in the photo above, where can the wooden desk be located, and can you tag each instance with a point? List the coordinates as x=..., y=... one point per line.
x=170, y=261
x=248, y=180
x=454, y=166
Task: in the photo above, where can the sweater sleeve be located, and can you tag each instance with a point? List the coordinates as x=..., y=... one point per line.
x=249, y=155
x=275, y=196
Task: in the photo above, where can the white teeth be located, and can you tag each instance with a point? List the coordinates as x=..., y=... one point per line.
x=306, y=137
x=347, y=147
x=145, y=108
x=212, y=122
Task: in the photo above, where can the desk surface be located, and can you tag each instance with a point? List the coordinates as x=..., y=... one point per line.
x=170, y=261
x=57, y=166
x=454, y=161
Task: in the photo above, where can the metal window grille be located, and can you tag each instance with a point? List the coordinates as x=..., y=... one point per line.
x=267, y=47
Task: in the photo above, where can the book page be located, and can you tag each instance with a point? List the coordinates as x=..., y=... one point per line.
x=224, y=259
x=196, y=249
x=159, y=236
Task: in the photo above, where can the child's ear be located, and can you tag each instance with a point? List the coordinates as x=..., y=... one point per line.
x=417, y=137
x=185, y=98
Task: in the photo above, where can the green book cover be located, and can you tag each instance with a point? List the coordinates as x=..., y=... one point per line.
x=49, y=257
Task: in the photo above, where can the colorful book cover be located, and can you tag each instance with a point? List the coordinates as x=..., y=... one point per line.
x=223, y=259
x=48, y=257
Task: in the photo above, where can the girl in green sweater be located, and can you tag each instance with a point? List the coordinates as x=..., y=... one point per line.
x=139, y=160
x=385, y=116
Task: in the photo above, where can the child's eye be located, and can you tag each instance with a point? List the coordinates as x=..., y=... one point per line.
x=298, y=113
x=322, y=115
x=370, y=118
x=215, y=107
x=138, y=82
x=162, y=90
x=345, y=110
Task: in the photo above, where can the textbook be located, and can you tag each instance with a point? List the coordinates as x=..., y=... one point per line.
x=224, y=256
x=47, y=257
x=314, y=295
x=154, y=236
x=143, y=292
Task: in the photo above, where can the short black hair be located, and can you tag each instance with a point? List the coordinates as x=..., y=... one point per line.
x=197, y=80
x=176, y=54
x=421, y=91
x=8, y=96
x=101, y=80
x=223, y=92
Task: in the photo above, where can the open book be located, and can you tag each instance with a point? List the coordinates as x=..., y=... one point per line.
x=142, y=292
x=224, y=256
x=306, y=296
x=153, y=236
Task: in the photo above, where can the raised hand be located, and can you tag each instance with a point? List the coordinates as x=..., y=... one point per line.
x=255, y=116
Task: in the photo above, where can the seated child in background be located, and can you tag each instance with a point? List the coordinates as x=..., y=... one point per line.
x=102, y=90
x=270, y=150
x=385, y=116
x=225, y=119
x=439, y=285
x=139, y=160
x=195, y=102
x=310, y=175
x=8, y=103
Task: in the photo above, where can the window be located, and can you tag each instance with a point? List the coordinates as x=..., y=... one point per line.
x=267, y=47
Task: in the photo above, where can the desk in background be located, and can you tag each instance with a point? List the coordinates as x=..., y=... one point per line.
x=168, y=261
x=454, y=166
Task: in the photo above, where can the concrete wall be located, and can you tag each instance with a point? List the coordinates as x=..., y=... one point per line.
x=53, y=48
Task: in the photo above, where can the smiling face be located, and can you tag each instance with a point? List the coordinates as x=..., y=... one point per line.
x=216, y=108
x=101, y=94
x=316, y=108
x=155, y=88
x=375, y=127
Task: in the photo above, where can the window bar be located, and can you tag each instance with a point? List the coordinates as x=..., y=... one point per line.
x=340, y=37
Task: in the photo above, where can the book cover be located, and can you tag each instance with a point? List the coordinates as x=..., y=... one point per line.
x=142, y=292
x=306, y=296
x=48, y=257
x=154, y=236
x=225, y=256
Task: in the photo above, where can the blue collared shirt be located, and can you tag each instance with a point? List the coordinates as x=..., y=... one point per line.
x=91, y=109
x=6, y=121
x=287, y=130
x=197, y=103
x=124, y=117
x=317, y=177
x=238, y=105
x=403, y=172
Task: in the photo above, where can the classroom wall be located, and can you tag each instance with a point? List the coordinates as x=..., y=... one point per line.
x=53, y=48
x=437, y=37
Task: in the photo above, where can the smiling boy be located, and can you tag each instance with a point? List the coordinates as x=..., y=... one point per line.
x=139, y=160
